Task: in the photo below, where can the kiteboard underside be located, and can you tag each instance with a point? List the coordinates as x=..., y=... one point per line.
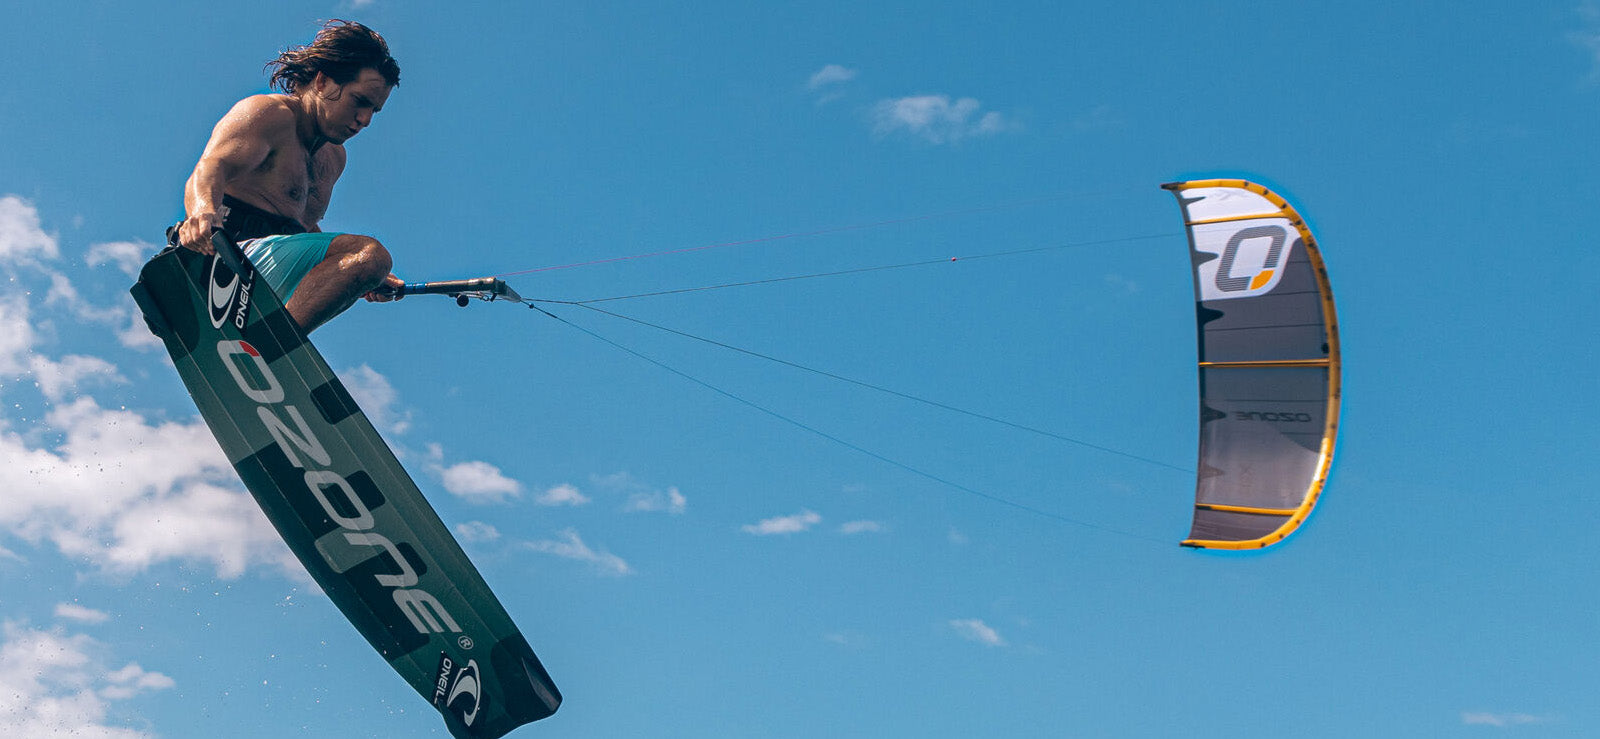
x=339, y=497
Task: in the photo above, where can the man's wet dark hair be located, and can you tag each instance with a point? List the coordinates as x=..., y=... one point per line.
x=341, y=50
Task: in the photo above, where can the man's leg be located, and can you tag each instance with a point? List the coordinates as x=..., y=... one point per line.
x=353, y=267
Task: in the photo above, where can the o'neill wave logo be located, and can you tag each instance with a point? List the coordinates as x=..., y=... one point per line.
x=458, y=688
x=227, y=300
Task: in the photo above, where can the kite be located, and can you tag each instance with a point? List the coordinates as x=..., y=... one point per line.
x=1269, y=364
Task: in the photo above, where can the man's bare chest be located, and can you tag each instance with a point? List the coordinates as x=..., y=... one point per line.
x=289, y=173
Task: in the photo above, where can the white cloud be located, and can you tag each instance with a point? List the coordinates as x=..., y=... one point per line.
x=860, y=527
x=114, y=487
x=669, y=500
x=618, y=481
x=799, y=522
x=642, y=498
x=1588, y=34
x=75, y=612
x=132, y=680
x=200, y=522
x=16, y=336
x=62, y=290
x=845, y=639
x=57, y=378
x=1098, y=118
x=377, y=398
x=128, y=256
x=832, y=74
x=957, y=538
x=23, y=242
x=477, y=532
x=976, y=630
x=569, y=545
x=479, y=482
x=55, y=684
x=936, y=118
x=136, y=335
x=561, y=495
x=1502, y=720
x=63, y=293
x=22, y=238
x=126, y=493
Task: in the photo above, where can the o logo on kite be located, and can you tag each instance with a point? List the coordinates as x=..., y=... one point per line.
x=1245, y=249
x=464, y=641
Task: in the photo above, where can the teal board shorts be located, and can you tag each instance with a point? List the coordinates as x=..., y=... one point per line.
x=285, y=259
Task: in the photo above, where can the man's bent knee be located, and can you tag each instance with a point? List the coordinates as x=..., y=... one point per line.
x=363, y=257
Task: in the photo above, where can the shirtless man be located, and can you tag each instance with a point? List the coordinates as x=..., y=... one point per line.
x=268, y=172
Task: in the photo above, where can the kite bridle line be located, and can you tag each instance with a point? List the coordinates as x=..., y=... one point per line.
x=490, y=289
x=494, y=288
x=1041, y=512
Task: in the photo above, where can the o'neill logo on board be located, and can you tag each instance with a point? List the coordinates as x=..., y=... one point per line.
x=458, y=689
x=227, y=300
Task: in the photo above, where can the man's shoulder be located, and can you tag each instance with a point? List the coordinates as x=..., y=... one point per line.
x=269, y=110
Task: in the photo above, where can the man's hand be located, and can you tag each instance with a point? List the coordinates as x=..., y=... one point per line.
x=385, y=292
x=195, y=233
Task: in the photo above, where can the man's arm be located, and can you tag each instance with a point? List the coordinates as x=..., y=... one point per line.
x=241, y=141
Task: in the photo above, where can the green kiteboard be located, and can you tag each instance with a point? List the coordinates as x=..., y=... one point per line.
x=337, y=494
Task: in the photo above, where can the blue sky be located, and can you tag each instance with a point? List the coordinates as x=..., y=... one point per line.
x=690, y=566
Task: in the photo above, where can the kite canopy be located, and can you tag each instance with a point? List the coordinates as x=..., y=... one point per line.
x=1269, y=364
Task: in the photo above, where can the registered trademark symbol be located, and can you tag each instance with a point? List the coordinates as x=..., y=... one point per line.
x=464, y=641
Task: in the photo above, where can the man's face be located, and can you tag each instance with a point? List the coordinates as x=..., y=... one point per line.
x=348, y=108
